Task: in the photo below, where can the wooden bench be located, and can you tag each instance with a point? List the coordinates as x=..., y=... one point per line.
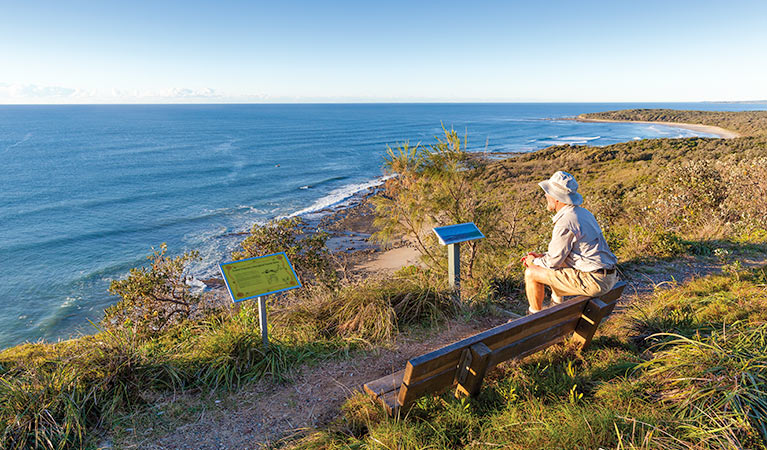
x=464, y=363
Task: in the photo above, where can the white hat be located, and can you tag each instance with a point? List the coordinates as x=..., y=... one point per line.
x=563, y=187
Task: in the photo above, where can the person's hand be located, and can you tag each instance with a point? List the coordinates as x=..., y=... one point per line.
x=527, y=260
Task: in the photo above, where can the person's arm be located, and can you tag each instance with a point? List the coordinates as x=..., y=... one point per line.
x=562, y=241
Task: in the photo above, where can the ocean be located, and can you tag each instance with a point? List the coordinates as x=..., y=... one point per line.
x=86, y=191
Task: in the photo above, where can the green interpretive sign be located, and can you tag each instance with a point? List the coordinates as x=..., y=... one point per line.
x=262, y=275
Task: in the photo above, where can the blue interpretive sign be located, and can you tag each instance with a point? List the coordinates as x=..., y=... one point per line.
x=453, y=234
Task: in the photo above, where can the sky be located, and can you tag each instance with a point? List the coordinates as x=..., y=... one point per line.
x=167, y=51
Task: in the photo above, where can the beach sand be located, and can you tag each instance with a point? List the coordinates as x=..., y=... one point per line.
x=390, y=260
x=721, y=132
x=351, y=227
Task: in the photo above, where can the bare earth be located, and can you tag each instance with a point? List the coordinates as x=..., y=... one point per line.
x=262, y=413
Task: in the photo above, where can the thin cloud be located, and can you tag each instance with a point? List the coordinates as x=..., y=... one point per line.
x=35, y=91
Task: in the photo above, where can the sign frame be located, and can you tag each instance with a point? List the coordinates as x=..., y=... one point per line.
x=229, y=288
x=471, y=227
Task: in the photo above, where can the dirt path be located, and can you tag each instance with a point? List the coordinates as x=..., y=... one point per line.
x=265, y=412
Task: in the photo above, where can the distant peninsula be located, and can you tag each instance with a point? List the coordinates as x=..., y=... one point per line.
x=728, y=124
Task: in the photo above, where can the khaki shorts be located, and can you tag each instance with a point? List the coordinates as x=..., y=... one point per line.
x=569, y=281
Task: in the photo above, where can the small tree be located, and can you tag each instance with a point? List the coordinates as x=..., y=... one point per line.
x=156, y=296
x=305, y=248
x=438, y=185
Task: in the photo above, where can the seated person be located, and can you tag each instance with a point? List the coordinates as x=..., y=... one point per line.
x=578, y=260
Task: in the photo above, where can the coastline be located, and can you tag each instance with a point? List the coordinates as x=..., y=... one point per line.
x=723, y=133
x=351, y=220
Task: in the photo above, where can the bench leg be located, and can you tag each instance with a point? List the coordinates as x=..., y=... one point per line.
x=472, y=370
x=595, y=311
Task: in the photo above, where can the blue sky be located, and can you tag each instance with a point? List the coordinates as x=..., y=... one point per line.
x=329, y=51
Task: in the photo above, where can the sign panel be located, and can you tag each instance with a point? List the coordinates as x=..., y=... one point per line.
x=262, y=275
x=453, y=234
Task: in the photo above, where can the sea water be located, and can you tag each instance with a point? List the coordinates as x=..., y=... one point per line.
x=87, y=191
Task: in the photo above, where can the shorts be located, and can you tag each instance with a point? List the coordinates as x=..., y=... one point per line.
x=568, y=281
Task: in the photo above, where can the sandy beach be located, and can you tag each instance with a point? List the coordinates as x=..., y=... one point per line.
x=721, y=132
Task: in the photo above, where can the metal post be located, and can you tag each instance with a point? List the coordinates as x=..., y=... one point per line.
x=262, y=320
x=454, y=267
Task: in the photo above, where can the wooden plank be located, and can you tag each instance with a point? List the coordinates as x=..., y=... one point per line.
x=434, y=384
x=614, y=293
x=463, y=365
x=385, y=384
x=596, y=310
x=535, y=342
x=429, y=364
x=436, y=370
x=389, y=402
x=475, y=372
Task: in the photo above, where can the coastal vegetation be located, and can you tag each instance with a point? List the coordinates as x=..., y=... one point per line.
x=683, y=369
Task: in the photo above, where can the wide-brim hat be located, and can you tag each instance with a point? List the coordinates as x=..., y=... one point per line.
x=563, y=187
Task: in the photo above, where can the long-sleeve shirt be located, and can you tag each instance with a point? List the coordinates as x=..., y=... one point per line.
x=577, y=242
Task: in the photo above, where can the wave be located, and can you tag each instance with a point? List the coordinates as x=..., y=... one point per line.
x=320, y=183
x=338, y=196
x=568, y=140
x=26, y=137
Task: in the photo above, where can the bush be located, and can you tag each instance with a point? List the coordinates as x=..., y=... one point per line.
x=443, y=184
x=155, y=297
x=306, y=249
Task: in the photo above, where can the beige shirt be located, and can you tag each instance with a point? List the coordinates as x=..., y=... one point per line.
x=577, y=242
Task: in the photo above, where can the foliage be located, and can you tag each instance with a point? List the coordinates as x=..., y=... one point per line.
x=55, y=395
x=155, y=297
x=304, y=247
x=441, y=185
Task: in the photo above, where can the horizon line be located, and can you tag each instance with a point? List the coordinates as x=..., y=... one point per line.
x=410, y=102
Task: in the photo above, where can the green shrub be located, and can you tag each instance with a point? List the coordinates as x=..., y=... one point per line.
x=155, y=297
x=306, y=248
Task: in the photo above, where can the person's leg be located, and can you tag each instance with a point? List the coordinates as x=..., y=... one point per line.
x=565, y=281
x=534, y=287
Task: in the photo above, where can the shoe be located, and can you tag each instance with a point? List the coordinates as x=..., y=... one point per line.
x=532, y=311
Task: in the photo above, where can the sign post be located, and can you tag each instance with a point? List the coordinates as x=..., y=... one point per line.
x=454, y=266
x=452, y=236
x=258, y=277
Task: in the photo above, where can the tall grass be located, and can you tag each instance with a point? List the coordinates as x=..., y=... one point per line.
x=56, y=395
x=717, y=382
x=370, y=311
